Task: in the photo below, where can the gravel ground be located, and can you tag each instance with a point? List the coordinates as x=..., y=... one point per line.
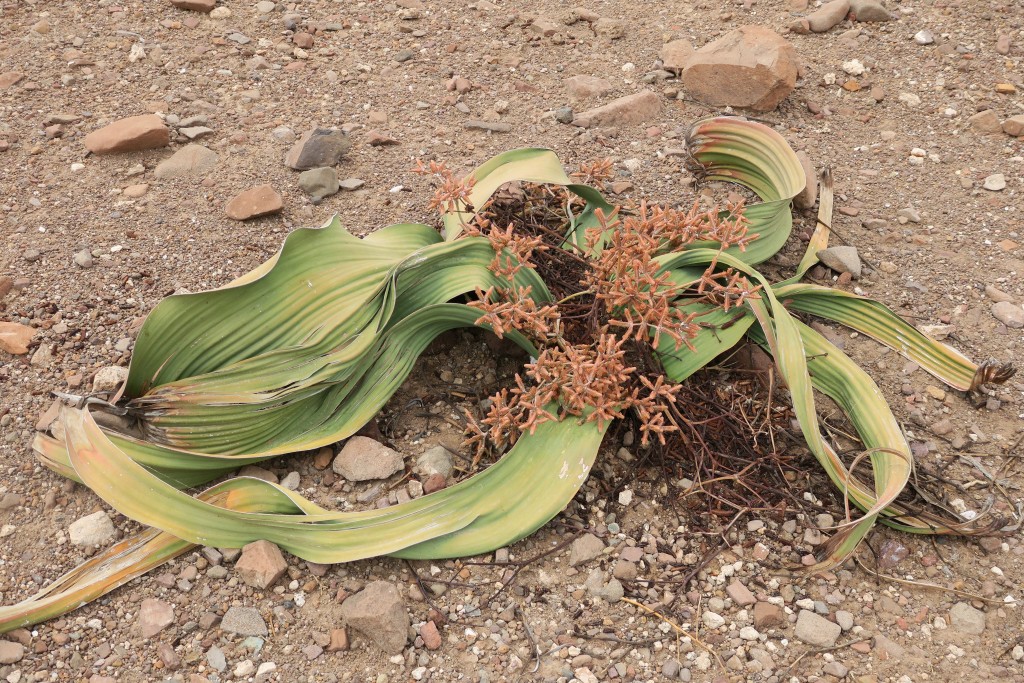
x=93, y=242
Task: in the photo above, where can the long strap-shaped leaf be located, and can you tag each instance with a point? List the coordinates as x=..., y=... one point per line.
x=877, y=321
x=509, y=500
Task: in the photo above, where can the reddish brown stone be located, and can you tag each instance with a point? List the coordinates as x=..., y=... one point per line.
x=431, y=638
x=339, y=640
x=767, y=615
x=129, y=135
x=261, y=564
x=14, y=338
x=258, y=201
x=751, y=67
x=435, y=482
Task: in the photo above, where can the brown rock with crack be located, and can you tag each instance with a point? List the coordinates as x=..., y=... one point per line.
x=129, y=135
x=751, y=67
x=258, y=201
x=631, y=109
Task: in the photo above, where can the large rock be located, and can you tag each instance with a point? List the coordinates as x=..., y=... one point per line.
x=675, y=54
x=261, y=564
x=363, y=459
x=91, y=530
x=245, y=621
x=631, y=109
x=379, y=614
x=751, y=67
x=189, y=160
x=261, y=200
x=316, y=148
x=154, y=616
x=14, y=338
x=129, y=135
x=816, y=630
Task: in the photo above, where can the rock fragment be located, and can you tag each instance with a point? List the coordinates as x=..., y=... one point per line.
x=869, y=11
x=995, y=182
x=244, y=621
x=91, y=530
x=816, y=630
x=431, y=638
x=319, y=183
x=768, y=616
x=584, y=549
x=129, y=135
x=1009, y=314
x=378, y=613
x=584, y=87
x=10, y=78
x=842, y=259
x=192, y=159
x=195, y=5
x=154, y=616
x=675, y=54
x=985, y=122
x=750, y=67
x=437, y=460
x=363, y=459
x=1014, y=125
x=967, y=619
x=14, y=338
x=318, y=147
x=631, y=109
x=11, y=652
x=108, y=380
x=261, y=564
x=740, y=594
x=830, y=14
x=258, y=201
